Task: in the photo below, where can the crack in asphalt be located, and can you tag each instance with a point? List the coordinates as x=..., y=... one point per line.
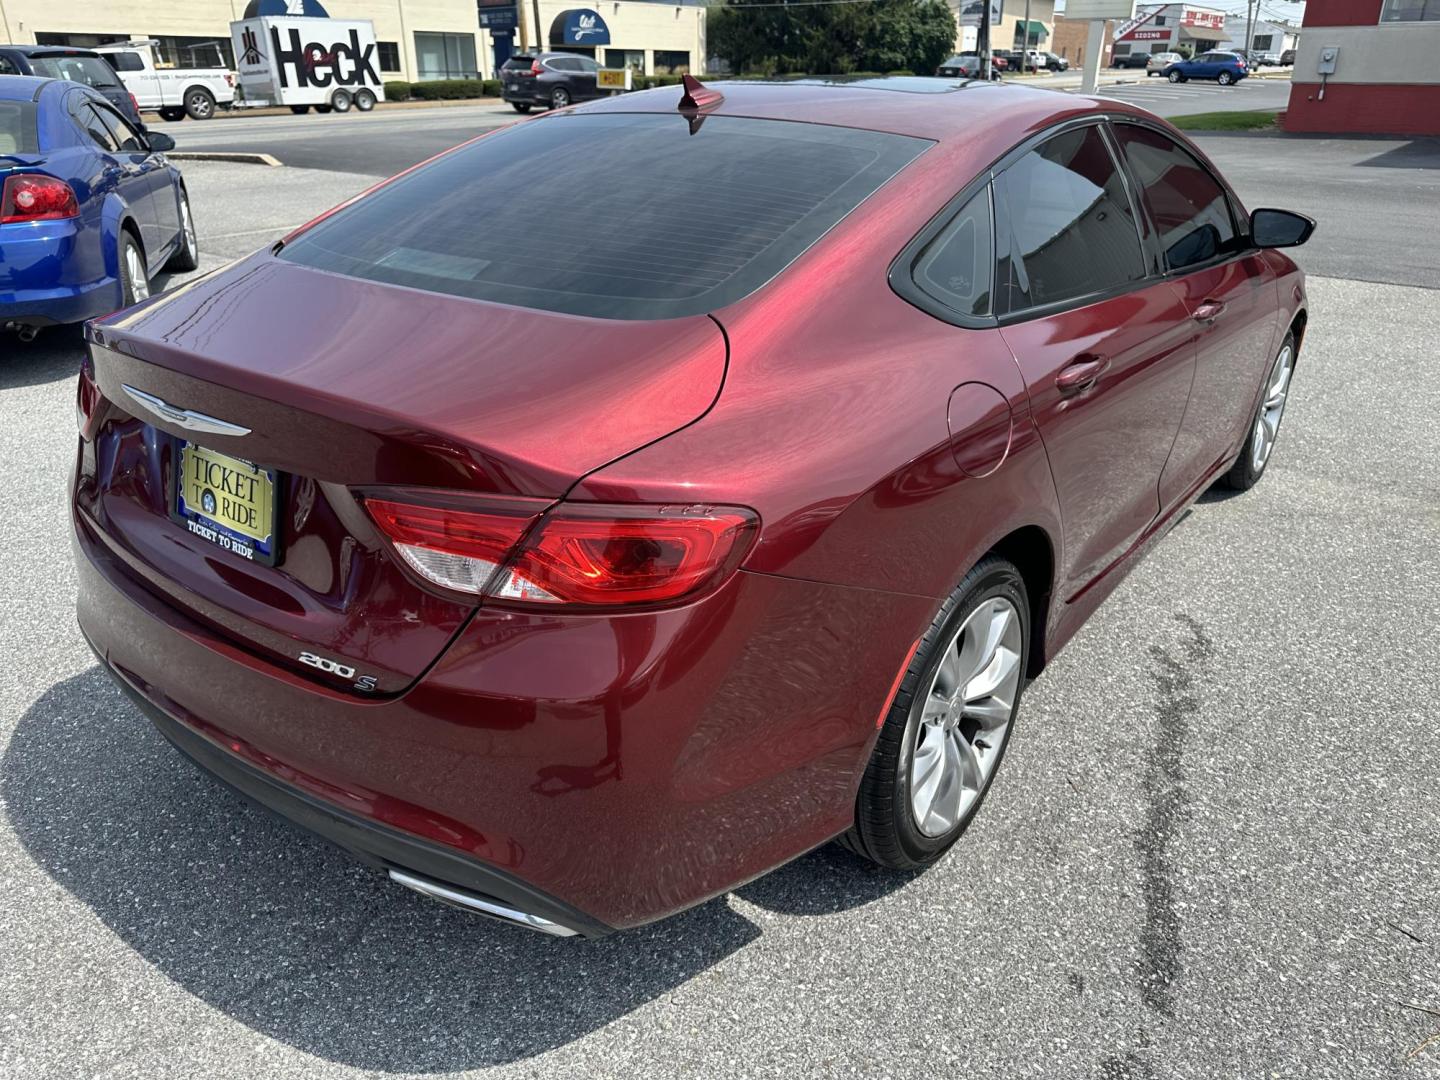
x=1167, y=808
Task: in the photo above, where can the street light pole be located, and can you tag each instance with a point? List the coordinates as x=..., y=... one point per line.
x=1025, y=49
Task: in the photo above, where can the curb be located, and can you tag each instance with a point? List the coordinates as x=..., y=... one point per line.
x=235, y=157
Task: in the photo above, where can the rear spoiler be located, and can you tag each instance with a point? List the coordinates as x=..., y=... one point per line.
x=21, y=161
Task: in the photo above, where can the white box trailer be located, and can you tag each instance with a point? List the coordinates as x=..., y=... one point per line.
x=302, y=61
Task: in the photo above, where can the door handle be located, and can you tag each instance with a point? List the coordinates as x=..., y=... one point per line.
x=1207, y=311
x=1081, y=373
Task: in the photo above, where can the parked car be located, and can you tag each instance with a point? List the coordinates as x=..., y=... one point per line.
x=83, y=66
x=89, y=207
x=1158, y=62
x=964, y=66
x=649, y=567
x=1265, y=59
x=1131, y=60
x=551, y=80
x=173, y=92
x=1054, y=62
x=1287, y=58
x=1224, y=67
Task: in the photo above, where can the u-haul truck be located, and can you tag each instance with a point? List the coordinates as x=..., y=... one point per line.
x=302, y=61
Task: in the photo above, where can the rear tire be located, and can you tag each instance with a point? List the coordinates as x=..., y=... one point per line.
x=134, y=280
x=322, y=108
x=520, y=108
x=559, y=98
x=199, y=104
x=1176, y=77
x=187, y=255
x=341, y=101
x=1225, y=78
x=1259, y=446
x=364, y=99
x=172, y=114
x=300, y=110
x=888, y=830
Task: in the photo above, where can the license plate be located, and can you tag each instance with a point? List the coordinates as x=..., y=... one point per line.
x=228, y=501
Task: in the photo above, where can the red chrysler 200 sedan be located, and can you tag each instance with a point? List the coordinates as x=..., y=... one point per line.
x=627, y=501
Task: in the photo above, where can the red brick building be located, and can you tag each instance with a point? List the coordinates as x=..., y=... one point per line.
x=1386, y=68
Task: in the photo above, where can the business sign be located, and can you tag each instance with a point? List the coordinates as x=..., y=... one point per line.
x=579, y=26
x=1214, y=20
x=1147, y=35
x=498, y=18
x=1099, y=9
x=971, y=12
x=613, y=78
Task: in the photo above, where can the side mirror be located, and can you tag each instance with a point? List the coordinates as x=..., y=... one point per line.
x=1279, y=228
x=160, y=143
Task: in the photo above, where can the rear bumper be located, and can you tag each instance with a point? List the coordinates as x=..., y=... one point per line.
x=49, y=274
x=598, y=772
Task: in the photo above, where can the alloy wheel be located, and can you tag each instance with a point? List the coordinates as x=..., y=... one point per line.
x=965, y=715
x=188, y=225
x=560, y=98
x=135, y=271
x=1272, y=407
x=200, y=106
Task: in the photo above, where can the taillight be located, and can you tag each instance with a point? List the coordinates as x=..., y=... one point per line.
x=535, y=68
x=87, y=398
x=588, y=555
x=135, y=104
x=33, y=197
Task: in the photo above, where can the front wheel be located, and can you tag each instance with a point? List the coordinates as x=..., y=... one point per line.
x=1225, y=78
x=1265, y=428
x=364, y=99
x=134, y=279
x=199, y=105
x=948, y=725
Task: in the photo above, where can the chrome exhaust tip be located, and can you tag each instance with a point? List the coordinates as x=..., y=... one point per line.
x=448, y=894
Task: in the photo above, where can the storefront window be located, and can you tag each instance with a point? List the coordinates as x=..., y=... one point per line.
x=1411, y=11
x=389, y=53
x=623, y=58
x=671, y=63
x=445, y=56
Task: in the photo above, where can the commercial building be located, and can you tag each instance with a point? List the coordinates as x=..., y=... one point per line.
x=1266, y=35
x=1367, y=66
x=1072, y=38
x=418, y=39
x=1008, y=23
x=1158, y=28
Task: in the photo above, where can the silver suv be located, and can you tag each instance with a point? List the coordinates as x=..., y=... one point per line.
x=1157, y=64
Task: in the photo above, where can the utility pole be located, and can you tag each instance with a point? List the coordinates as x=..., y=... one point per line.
x=982, y=42
x=1250, y=12
x=539, y=30
x=1025, y=50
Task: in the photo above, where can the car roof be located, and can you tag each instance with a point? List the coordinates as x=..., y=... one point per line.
x=50, y=50
x=940, y=109
x=21, y=87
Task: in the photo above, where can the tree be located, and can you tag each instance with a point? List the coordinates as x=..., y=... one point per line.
x=832, y=39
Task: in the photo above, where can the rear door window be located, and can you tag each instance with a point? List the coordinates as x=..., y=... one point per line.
x=1186, y=204
x=17, y=128
x=503, y=218
x=1072, y=230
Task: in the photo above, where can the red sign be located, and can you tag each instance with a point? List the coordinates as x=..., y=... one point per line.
x=1147, y=35
x=1213, y=19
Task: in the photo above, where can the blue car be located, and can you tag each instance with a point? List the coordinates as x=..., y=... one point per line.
x=1226, y=68
x=89, y=207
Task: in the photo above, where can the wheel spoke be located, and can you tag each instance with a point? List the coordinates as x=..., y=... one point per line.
x=968, y=760
x=991, y=713
x=945, y=811
x=994, y=676
x=927, y=772
x=951, y=675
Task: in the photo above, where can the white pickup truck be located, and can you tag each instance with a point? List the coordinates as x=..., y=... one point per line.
x=173, y=92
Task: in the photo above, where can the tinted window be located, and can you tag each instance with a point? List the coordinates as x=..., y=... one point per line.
x=1186, y=204
x=563, y=63
x=503, y=218
x=586, y=64
x=1072, y=229
x=125, y=136
x=17, y=127
x=87, y=70
x=124, y=61
x=955, y=268
x=7, y=68
x=94, y=127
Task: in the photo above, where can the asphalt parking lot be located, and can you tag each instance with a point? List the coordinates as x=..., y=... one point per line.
x=1214, y=850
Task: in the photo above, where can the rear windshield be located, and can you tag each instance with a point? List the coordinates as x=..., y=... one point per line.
x=517, y=62
x=89, y=70
x=625, y=216
x=17, y=129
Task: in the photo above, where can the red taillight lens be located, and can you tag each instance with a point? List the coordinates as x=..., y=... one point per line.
x=135, y=103
x=457, y=548
x=31, y=197
x=535, y=68
x=602, y=555
x=579, y=555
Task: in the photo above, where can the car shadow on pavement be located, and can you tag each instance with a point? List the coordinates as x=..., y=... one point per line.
x=293, y=938
x=825, y=881
x=52, y=356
